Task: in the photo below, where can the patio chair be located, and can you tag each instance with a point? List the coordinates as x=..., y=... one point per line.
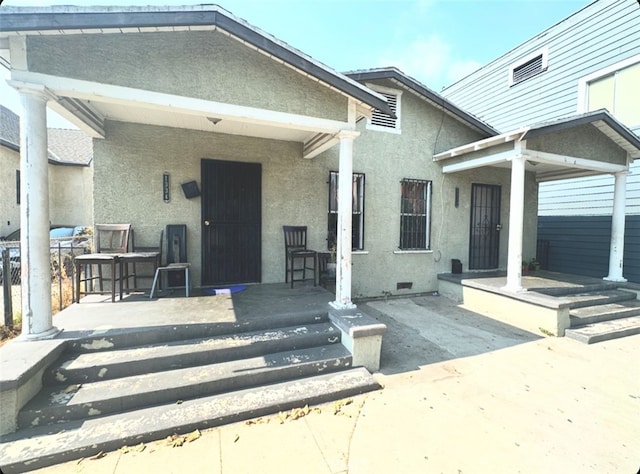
x=295, y=248
x=139, y=255
x=111, y=241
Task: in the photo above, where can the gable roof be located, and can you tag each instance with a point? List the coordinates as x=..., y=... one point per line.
x=601, y=119
x=35, y=20
x=397, y=76
x=65, y=147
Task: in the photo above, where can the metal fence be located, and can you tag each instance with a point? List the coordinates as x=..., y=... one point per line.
x=62, y=275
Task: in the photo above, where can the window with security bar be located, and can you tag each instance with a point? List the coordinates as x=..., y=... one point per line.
x=357, y=219
x=415, y=214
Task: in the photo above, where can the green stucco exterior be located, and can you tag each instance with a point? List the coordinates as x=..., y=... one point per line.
x=130, y=161
x=207, y=65
x=585, y=141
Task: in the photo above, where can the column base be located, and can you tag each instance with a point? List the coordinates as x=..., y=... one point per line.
x=339, y=305
x=514, y=288
x=48, y=334
x=615, y=279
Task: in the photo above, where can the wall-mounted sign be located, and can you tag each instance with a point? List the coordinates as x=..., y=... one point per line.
x=165, y=187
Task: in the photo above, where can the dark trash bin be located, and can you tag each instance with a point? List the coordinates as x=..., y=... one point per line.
x=456, y=266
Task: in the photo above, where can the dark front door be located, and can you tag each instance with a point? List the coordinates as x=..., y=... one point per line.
x=231, y=218
x=484, y=240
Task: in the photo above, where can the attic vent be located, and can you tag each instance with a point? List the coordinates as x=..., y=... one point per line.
x=381, y=119
x=529, y=67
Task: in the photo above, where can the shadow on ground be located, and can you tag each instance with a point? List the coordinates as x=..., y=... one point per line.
x=429, y=329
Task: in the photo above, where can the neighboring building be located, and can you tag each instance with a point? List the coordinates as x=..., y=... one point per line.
x=70, y=175
x=589, y=61
x=264, y=134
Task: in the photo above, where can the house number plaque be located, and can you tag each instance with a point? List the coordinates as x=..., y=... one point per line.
x=165, y=187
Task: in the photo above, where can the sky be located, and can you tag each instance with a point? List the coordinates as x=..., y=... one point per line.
x=434, y=41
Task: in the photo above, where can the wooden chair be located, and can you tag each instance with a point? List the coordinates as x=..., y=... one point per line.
x=139, y=255
x=295, y=248
x=111, y=241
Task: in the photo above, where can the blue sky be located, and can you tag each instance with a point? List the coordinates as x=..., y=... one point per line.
x=434, y=41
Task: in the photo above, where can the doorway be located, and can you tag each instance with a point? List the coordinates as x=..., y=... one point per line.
x=231, y=222
x=484, y=240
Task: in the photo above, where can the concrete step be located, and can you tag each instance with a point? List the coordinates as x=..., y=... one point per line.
x=77, y=368
x=133, y=337
x=605, y=312
x=559, y=291
x=605, y=330
x=44, y=446
x=581, y=300
x=80, y=401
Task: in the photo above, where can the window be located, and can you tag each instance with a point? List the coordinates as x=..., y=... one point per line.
x=618, y=92
x=357, y=228
x=528, y=67
x=381, y=121
x=415, y=210
x=18, y=187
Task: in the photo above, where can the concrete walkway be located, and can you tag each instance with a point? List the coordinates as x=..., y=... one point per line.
x=463, y=394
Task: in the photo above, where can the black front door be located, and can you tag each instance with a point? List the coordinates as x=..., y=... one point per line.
x=231, y=218
x=484, y=241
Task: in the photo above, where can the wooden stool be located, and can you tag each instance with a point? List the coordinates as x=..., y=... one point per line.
x=172, y=267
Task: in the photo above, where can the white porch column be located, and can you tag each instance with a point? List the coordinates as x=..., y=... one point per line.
x=616, y=252
x=345, y=204
x=37, y=322
x=516, y=224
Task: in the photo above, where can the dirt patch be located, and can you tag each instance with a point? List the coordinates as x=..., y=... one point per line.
x=6, y=334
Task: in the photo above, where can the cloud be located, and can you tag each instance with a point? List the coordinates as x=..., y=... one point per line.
x=429, y=60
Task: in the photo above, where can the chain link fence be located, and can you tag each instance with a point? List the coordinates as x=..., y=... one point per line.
x=62, y=253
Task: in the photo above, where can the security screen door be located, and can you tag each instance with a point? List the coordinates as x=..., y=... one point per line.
x=484, y=240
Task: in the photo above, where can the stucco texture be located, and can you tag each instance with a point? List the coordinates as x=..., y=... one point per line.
x=583, y=142
x=70, y=195
x=130, y=162
x=9, y=208
x=207, y=65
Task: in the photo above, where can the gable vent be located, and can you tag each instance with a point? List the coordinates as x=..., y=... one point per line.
x=381, y=119
x=528, y=69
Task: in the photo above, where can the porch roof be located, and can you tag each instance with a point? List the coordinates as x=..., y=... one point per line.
x=88, y=104
x=580, y=145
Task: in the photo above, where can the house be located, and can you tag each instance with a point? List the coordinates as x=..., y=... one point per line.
x=262, y=135
x=70, y=175
x=588, y=61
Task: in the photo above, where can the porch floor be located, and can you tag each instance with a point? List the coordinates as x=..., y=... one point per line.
x=96, y=313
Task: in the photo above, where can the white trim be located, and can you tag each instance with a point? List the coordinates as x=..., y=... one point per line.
x=583, y=82
x=572, y=161
x=107, y=93
x=544, y=52
x=480, y=162
x=486, y=143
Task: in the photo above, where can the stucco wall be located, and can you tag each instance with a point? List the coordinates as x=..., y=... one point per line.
x=128, y=186
x=206, y=64
x=387, y=158
x=70, y=195
x=9, y=208
x=585, y=142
